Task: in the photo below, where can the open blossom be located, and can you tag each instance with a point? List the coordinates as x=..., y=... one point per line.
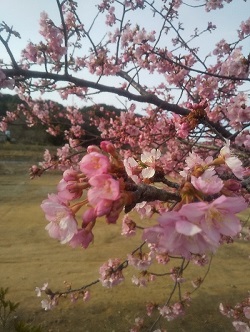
x=232, y=162
x=197, y=227
x=144, y=169
x=62, y=224
x=176, y=235
x=149, y=158
x=142, y=279
x=208, y=183
x=216, y=218
x=39, y=290
x=246, y=311
x=193, y=160
x=82, y=238
x=104, y=187
x=94, y=163
x=140, y=262
x=69, y=190
x=46, y=305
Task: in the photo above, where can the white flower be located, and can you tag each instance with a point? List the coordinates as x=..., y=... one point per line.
x=46, y=305
x=232, y=162
x=149, y=159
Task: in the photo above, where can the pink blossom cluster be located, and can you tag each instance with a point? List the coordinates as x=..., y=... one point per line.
x=199, y=227
x=111, y=273
x=104, y=195
x=196, y=228
x=215, y=4
x=235, y=65
x=53, y=36
x=96, y=173
x=143, y=132
x=140, y=261
x=142, y=279
x=101, y=64
x=240, y=314
x=244, y=29
x=173, y=311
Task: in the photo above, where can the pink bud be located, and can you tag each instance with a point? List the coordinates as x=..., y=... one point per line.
x=108, y=147
x=70, y=175
x=232, y=185
x=88, y=216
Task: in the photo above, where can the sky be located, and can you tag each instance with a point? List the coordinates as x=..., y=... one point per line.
x=24, y=17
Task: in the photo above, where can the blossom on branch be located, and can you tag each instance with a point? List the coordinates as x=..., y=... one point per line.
x=63, y=225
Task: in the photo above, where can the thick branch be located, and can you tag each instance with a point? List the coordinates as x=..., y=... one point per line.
x=149, y=194
x=145, y=98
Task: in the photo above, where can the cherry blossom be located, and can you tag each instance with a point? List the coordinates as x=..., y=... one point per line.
x=63, y=225
x=232, y=162
x=94, y=163
x=110, y=273
x=208, y=183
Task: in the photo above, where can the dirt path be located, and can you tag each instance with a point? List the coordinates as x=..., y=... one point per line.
x=28, y=258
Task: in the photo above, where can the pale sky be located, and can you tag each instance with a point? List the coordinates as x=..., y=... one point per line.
x=24, y=15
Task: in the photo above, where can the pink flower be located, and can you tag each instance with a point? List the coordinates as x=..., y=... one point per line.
x=128, y=227
x=149, y=158
x=208, y=183
x=83, y=238
x=103, y=187
x=193, y=160
x=62, y=224
x=5, y=82
x=94, y=163
x=103, y=207
x=140, y=262
x=89, y=216
x=197, y=227
x=70, y=175
x=68, y=191
x=232, y=162
x=176, y=235
x=216, y=218
x=111, y=273
x=241, y=326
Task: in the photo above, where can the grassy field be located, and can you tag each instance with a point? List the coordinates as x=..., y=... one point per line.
x=29, y=258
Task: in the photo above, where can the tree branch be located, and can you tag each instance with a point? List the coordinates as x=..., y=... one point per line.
x=149, y=98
